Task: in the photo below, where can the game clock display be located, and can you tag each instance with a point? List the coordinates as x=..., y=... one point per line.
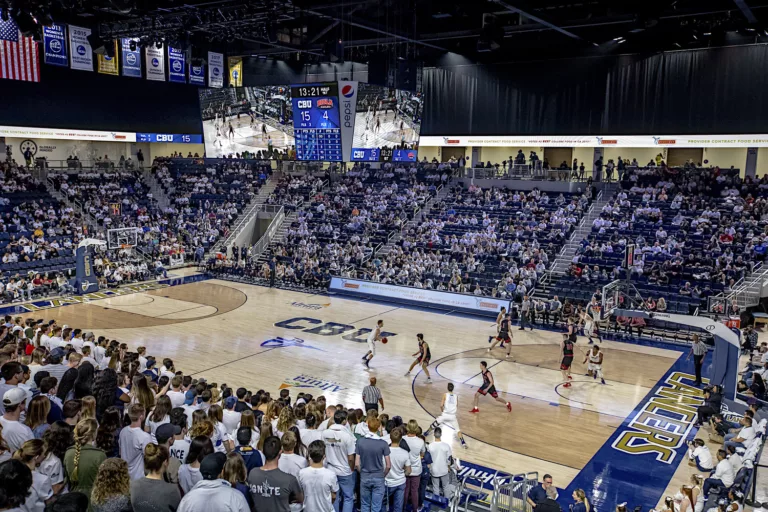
x=316, y=121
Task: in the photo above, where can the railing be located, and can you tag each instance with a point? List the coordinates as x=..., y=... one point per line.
x=512, y=496
x=263, y=242
x=77, y=165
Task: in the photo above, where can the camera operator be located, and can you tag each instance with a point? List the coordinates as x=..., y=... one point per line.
x=700, y=456
x=713, y=399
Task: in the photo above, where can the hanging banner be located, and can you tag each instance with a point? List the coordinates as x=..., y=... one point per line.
x=197, y=74
x=235, y=71
x=55, y=45
x=131, y=58
x=155, y=63
x=109, y=65
x=176, y=69
x=80, y=51
x=215, y=69
x=348, y=103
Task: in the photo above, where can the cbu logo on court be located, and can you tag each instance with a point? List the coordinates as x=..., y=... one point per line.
x=330, y=329
x=281, y=342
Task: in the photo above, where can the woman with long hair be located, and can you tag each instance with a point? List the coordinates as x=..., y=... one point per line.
x=285, y=421
x=153, y=493
x=198, y=416
x=581, y=504
x=697, y=498
x=36, y=363
x=301, y=448
x=88, y=410
x=31, y=454
x=66, y=389
x=247, y=419
x=108, y=393
x=84, y=383
x=108, y=434
x=266, y=431
x=221, y=441
x=56, y=441
x=112, y=487
x=687, y=501
x=82, y=460
x=159, y=416
x=189, y=472
x=236, y=474
x=37, y=415
x=141, y=393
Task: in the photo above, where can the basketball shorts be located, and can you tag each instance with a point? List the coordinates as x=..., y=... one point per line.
x=372, y=347
x=594, y=367
x=424, y=361
x=566, y=363
x=590, y=330
x=450, y=420
x=504, y=336
x=490, y=391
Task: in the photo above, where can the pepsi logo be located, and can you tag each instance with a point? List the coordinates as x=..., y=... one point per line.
x=347, y=91
x=155, y=62
x=81, y=50
x=56, y=46
x=411, y=155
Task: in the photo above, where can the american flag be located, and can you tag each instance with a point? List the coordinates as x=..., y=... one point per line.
x=18, y=54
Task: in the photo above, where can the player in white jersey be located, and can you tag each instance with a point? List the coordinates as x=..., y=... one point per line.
x=590, y=325
x=373, y=337
x=449, y=406
x=595, y=365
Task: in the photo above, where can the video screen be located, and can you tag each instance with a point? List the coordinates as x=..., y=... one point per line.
x=387, y=124
x=316, y=115
x=256, y=120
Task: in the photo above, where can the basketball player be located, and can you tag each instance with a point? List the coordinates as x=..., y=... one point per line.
x=231, y=131
x=263, y=131
x=487, y=389
x=424, y=355
x=565, y=365
x=373, y=337
x=449, y=406
x=499, y=318
x=504, y=335
x=590, y=327
x=595, y=366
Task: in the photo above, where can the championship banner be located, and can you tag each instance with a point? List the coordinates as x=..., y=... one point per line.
x=109, y=65
x=235, y=71
x=131, y=58
x=176, y=67
x=86, y=280
x=81, y=54
x=197, y=74
x=155, y=63
x=215, y=69
x=55, y=45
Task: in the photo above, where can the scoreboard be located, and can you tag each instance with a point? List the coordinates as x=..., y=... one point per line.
x=316, y=121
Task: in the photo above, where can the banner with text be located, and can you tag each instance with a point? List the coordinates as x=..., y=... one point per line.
x=155, y=63
x=235, y=71
x=131, y=58
x=177, y=71
x=80, y=51
x=109, y=65
x=594, y=141
x=197, y=74
x=348, y=100
x=443, y=300
x=55, y=45
x=215, y=69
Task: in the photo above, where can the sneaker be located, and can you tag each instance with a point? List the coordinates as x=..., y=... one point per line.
x=509, y=407
x=489, y=351
x=567, y=385
x=429, y=380
x=602, y=381
x=570, y=378
x=407, y=374
x=475, y=410
x=594, y=376
x=465, y=446
x=490, y=338
x=590, y=342
x=364, y=357
x=366, y=363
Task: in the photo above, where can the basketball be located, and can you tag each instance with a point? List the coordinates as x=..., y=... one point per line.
x=384, y=340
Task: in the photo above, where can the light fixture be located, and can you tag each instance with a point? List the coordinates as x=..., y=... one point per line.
x=159, y=45
x=132, y=45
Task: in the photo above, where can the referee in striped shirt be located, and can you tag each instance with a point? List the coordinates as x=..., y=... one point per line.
x=699, y=351
x=372, y=397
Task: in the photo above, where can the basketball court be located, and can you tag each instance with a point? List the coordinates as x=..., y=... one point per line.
x=258, y=337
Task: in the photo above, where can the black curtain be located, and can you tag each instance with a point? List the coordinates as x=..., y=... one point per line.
x=65, y=98
x=678, y=93
x=274, y=72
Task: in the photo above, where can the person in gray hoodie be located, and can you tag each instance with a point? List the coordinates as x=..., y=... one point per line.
x=212, y=493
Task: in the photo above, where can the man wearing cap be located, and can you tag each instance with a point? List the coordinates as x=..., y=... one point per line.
x=213, y=493
x=15, y=433
x=166, y=436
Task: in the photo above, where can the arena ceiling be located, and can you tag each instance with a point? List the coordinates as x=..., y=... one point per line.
x=480, y=30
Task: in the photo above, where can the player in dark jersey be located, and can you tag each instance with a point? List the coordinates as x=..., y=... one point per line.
x=565, y=366
x=423, y=357
x=505, y=336
x=488, y=389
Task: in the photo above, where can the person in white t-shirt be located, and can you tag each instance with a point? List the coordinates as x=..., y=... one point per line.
x=309, y=434
x=417, y=447
x=290, y=462
x=142, y=351
x=133, y=440
x=394, y=481
x=340, y=458
x=441, y=463
x=744, y=436
x=31, y=454
x=15, y=433
x=160, y=415
x=230, y=417
x=78, y=341
x=87, y=356
x=176, y=394
x=180, y=446
x=319, y=484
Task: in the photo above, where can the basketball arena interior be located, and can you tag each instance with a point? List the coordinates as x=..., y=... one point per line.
x=490, y=256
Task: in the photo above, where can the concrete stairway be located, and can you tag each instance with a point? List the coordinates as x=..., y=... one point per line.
x=242, y=220
x=163, y=201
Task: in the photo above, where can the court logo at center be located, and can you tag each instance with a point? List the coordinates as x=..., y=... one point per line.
x=281, y=342
x=309, y=382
